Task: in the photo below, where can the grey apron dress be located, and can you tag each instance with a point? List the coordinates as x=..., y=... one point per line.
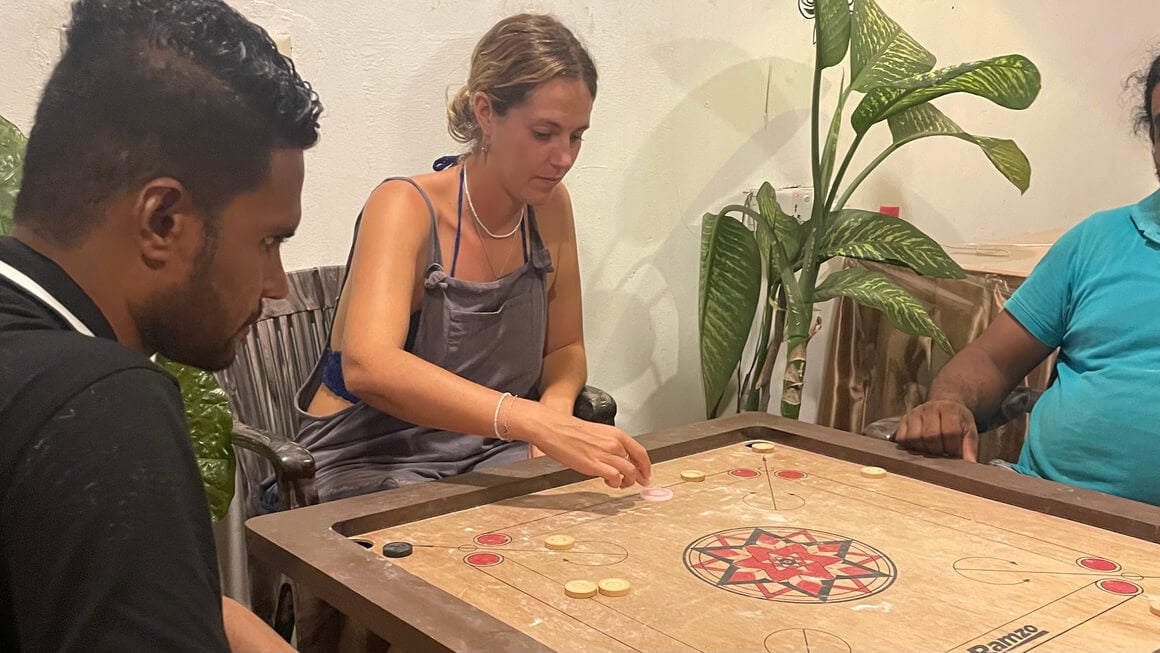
x=491, y=333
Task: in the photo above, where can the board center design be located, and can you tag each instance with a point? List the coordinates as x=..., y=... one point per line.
x=790, y=565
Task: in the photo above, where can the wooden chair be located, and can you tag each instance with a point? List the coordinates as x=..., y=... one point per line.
x=273, y=361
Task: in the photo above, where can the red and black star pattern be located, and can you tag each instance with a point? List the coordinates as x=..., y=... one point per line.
x=791, y=565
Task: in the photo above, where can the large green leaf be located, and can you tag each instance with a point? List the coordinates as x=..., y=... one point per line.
x=730, y=285
x=877, y=291
x=881, y=51
x=833, y=31
x=786, y=228
x=207, y=409
x=1010, y=81
x=12, y=144
x=926, y=120
x=877, y=237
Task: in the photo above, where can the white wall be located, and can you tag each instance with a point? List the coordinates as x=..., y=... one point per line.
x=684, y=123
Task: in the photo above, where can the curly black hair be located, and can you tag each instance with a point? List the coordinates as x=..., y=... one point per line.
x=187, y=89
x=1147, y=80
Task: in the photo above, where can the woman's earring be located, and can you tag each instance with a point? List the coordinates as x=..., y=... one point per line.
x=484, y=147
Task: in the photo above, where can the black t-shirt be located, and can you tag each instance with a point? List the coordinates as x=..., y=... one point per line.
x=105, y=539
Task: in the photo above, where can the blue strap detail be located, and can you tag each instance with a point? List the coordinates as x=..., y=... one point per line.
x=445, y=162
x=332, y=375
x=524, y=239
x=459, y=219
x=332, y=362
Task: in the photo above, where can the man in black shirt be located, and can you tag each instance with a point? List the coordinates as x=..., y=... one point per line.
x=163, y=171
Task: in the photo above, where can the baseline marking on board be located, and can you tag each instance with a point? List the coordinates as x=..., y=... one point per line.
x=628, y=498
x=947, y=513
x=607, y=606
x=1011, y=568
x=1052, y=619
x=469, y=548
x=554, y=608
x=1089, y=619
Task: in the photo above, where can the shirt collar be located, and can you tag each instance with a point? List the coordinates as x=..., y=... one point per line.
x=1146, y=216
x=57, y=283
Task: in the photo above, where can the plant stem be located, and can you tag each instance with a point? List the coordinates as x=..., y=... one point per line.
x=815, y=136
x=758, y=363
x=741, y=208
x=795, y=373
x=739, y=384
x=809, y=252
x=842, y=171
x=870, y=168
x=763, y=379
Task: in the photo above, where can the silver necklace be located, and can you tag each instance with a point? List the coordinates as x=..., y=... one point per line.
x=487, y=257
x=475, y=215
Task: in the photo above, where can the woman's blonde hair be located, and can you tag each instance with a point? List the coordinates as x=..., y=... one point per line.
x=515, y=56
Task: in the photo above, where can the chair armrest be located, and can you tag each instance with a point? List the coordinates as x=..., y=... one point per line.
x=882, y=429
x=595, y=405
x=293, y=464
x=1021, y=400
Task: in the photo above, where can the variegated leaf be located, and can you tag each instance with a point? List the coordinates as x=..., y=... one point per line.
x=207, y=409
x=831, y=144
x=877, y=237
x=877, y=291
x=730, y=285
x=926, y=120
x=786, y=228
x=833, y=35
x=11, y=167
x=1010, y=81
x=765, y=244
x=880, y=50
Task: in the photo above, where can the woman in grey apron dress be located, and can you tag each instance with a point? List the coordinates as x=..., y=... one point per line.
x=491, y=333
x=458, y=341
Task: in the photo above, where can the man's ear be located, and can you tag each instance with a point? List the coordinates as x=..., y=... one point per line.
x=168, y=223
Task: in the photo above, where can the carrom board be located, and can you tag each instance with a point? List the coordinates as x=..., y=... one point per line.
x=791, y=550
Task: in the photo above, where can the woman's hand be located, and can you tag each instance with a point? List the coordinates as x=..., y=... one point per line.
x=587, y=447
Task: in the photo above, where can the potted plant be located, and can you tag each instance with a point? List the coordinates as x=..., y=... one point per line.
x=776, y=262
x=207, y=408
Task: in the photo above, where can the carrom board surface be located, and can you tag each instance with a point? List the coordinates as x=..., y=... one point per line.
x=793, y=550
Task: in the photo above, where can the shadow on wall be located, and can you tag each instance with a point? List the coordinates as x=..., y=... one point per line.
x=385, y=116
x=726, y=133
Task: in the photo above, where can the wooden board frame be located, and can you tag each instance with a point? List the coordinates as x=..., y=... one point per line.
x=310, y=544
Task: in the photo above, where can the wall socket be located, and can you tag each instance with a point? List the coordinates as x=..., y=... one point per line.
x=797, y=201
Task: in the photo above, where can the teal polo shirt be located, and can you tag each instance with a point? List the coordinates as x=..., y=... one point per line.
x=1096, y=296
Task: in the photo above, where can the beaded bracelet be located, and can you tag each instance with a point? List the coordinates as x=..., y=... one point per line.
x=495, y=419
x=506, y=432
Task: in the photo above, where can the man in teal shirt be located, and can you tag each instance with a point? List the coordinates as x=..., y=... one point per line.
x=1096, y=297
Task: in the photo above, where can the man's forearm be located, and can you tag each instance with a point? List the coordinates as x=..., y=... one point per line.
x=249, y=634
x=972, y=379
